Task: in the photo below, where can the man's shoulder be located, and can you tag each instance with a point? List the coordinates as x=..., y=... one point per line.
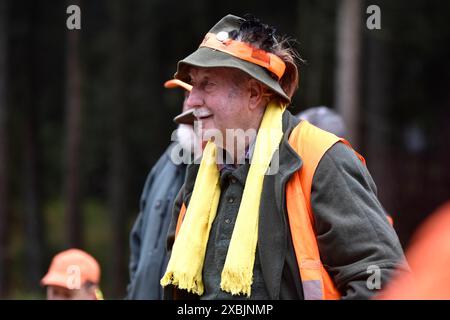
x=341, y=154
x=340, y=163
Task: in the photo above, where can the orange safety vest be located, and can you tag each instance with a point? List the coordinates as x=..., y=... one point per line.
x=310, y=143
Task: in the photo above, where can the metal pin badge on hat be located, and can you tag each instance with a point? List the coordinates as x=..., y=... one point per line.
x=222, y=36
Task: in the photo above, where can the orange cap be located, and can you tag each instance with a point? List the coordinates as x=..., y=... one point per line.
x=173, y=83
x=71, y=269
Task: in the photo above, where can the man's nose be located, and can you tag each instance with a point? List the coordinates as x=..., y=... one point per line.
x=195, y=99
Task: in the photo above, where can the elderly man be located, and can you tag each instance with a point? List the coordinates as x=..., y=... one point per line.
x=295, y=214
x=148, y=257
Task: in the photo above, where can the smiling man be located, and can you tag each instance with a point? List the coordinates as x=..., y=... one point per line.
x=309, y=230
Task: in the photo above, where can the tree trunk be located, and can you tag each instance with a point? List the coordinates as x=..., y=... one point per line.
x=118, y=174
x=3, y=153
x=33, y=219
x=32, y=208
x=348, y=68
x=312, y=16
x=73, y=122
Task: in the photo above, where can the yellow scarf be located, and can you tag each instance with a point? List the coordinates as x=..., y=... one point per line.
x=188, y=253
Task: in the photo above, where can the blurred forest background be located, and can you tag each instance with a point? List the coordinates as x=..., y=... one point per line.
x=84, y=115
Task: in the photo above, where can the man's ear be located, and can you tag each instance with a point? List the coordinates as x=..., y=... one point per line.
x=256, y=90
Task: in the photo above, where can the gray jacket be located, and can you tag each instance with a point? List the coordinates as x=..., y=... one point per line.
x=148, y=258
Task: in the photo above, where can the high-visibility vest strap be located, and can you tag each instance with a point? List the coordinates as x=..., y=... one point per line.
x=310, y=143
x=180, y=219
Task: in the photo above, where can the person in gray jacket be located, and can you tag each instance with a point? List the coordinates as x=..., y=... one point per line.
x=148, y=257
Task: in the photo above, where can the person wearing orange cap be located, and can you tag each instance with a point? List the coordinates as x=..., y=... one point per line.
x=73, y=275
x=148, y=257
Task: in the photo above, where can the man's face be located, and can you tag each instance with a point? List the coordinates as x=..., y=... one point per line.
x=221, y=99
x=61, y=293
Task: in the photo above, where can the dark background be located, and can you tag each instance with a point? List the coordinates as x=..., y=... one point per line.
x=84, y=115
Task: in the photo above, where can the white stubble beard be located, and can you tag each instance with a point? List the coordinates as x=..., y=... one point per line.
x=187, y=138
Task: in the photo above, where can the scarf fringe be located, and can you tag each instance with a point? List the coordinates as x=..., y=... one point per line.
x=237, y=281
x=183, y=281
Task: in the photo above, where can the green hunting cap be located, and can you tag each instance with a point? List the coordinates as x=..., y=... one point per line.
x=218, y=50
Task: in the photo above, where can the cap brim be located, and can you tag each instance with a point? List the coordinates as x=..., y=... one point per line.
x=209, y=58
x=176, y=83
x=186, y=117
x=54, y=279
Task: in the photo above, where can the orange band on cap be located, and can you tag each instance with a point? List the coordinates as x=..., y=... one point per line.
x=245, y=52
